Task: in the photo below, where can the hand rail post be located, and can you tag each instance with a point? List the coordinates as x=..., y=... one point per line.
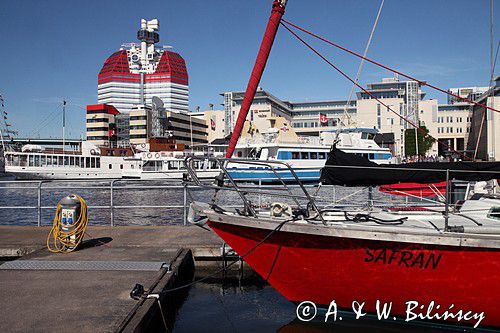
x=39, y=204
x=260, y=194
x=370, y=197
x=447, y=201
x=111, y=205
x=184, y=206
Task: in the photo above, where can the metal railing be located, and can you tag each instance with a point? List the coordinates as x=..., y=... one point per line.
x=111, y=186
x=38, y=191
x=332, y=198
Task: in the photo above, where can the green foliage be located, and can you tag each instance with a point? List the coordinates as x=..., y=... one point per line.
x=424, y=141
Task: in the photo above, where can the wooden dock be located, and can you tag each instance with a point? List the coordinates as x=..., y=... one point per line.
x=88, y=290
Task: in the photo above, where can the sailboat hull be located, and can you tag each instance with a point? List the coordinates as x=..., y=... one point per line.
x=323, y=268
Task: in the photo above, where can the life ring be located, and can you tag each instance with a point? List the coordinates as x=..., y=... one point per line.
x=157, y=155
x=150, y=155
x=92, y=152
x=143, y=145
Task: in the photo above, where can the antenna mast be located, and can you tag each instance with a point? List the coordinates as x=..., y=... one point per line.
x=64, y=126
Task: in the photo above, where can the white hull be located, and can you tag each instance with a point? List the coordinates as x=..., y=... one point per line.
x=66, y=173
x=152, y=175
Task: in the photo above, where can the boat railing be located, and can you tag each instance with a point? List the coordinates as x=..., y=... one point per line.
x=226, y=165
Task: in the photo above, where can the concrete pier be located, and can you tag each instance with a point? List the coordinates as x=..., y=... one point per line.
x=89, y=290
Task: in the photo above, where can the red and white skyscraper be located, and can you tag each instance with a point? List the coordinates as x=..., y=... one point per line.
x=137, y=72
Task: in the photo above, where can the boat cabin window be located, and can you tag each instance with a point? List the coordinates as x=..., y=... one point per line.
x=368, y=136
x=175, y=164
x=304, y=155
x=154, y=165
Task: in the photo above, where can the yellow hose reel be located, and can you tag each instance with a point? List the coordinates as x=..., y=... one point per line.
x=70, y=223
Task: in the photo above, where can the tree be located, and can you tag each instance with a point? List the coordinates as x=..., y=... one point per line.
x=424, y=141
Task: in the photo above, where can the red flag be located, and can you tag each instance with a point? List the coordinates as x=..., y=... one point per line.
x=212, y=124
x=323, y=118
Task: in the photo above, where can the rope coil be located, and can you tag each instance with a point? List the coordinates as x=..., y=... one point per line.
x=65, y=238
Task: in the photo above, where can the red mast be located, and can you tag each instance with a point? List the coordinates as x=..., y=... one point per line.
x=260, y=63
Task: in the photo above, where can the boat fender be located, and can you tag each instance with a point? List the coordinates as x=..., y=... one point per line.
x=194, y=216
x=92, y=152
x=279, y=209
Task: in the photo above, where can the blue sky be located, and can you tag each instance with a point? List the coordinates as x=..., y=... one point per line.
x=53, y=49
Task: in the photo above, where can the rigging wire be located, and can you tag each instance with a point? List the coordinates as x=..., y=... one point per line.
x=423, y=83
x=369, y=93
x=496, y=56
x=491, y=89
x=243, y=256
x=492, y=63
x=46, y=121
x=51, y=116
x=362, y=62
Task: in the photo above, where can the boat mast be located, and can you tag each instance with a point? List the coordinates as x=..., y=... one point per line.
x=258, y=68
x=3, y=116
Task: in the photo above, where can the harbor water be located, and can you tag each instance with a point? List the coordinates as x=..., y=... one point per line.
x=251, y=305
x=150, y=202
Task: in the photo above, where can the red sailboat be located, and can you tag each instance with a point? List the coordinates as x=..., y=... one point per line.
x=444, y=266
x=436, y=266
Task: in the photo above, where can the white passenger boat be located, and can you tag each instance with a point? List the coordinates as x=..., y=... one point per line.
x=169, y=165
x=306, y=157
x=89, y=162
x=92, y=162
